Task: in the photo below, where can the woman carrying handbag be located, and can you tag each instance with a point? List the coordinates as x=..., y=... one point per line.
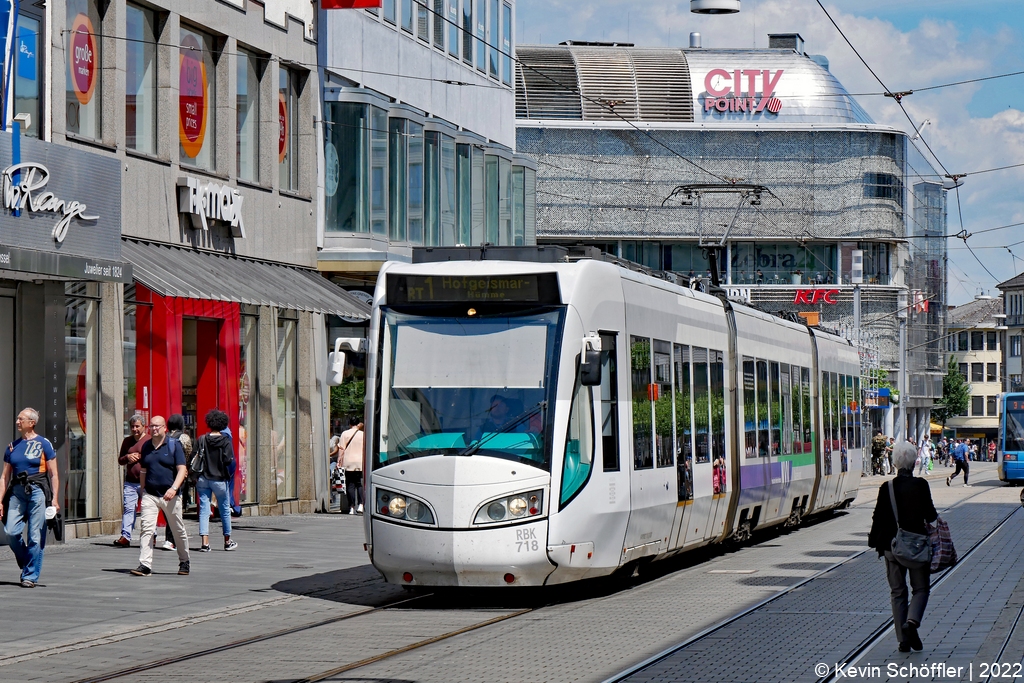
x=902, y=511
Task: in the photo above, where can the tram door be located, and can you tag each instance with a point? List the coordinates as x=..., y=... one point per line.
x=653, y=485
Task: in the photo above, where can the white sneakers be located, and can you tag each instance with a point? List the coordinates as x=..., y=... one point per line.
x=168, y=545
x=353, y=511
x=360, y=510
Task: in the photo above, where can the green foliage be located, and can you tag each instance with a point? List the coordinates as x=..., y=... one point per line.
x=956, y=394
x=879, y=378
x=348, y=399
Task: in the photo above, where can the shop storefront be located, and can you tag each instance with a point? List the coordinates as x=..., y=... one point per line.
x=60, y=248
x=205, y=330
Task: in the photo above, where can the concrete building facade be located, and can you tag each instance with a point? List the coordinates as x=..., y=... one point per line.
x=975, y=342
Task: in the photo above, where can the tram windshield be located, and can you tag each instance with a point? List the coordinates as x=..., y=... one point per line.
x=1014, y=435
x=468, y=386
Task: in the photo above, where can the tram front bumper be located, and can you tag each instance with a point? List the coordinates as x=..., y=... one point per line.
x=471, y=557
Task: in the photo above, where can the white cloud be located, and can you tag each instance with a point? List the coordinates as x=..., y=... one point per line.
x=932, y=52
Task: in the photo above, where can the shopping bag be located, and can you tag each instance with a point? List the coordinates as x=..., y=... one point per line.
x=931, y=465
x=943, y=552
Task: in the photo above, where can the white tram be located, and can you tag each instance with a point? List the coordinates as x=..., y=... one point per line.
x=538, y=423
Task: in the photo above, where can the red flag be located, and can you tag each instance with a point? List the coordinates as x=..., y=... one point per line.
x=350, y=4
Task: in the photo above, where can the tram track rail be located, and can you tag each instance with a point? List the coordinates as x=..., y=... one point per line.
x=863, y=647
x=1006, y=640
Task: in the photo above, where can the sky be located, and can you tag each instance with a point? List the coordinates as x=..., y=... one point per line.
x=910, y=44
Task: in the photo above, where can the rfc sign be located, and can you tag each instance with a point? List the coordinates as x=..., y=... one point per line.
x=742, y=90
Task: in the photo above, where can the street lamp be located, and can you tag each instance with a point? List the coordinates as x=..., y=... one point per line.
x=714, y=6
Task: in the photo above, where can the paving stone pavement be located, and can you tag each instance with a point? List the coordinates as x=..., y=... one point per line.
x=293, y=571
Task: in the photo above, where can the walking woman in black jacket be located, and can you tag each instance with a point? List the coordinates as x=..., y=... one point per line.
x=914, y=504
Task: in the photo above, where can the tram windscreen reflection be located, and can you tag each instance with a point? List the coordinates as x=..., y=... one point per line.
x=467, y=386
x=1014, y=431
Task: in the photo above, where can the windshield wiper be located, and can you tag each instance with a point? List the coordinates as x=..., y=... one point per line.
x=476, y=445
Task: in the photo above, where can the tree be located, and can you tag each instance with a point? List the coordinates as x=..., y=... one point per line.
x=956, y=394
x=348, y=399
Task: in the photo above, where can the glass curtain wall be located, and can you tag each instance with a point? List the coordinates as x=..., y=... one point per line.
x=140, y=80
x=248, y=122
x=432, y=187
x=378, y=171
x=84, y=46
x=248, y=368
x=464, y=193
x=346, y=136
x=81, y=356
x=398, y=176
x=449, y=192
x=518, y=205
x=284, y=441
x=505, y=201
x=416, y=153
x=493, y=210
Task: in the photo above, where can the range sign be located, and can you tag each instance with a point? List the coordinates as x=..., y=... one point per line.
x=737, y=91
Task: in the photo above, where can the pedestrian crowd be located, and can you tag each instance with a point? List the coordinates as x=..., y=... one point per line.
x=160, y=461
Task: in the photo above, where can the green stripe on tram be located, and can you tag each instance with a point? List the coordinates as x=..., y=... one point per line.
x=798, y=459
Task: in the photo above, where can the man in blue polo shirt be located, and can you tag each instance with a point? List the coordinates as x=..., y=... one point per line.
x=163, y=471
x=960, y=458
x=27, y=485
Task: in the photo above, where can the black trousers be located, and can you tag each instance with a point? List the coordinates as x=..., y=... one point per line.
x=961, y=466
x=354, y=486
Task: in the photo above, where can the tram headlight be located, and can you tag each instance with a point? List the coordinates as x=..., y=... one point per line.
x=511, y=508
x=401, y=506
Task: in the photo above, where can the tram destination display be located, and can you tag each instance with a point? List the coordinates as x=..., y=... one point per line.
x=531, y=288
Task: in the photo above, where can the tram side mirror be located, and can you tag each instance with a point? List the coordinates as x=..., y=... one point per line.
x=590, y=365
x=336, y=359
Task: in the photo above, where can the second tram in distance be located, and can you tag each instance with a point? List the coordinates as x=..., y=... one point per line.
x=538, y=423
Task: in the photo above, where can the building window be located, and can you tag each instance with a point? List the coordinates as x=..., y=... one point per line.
x=439, y=24
x=453, y=28
x=518, y=205
x=991, y=375
x=378, y=171
x=990, y=406
x=407, y=16
x=506, y=44
x=961, y=340
x=481, y=35
x=248, y=108
x=285, y=446
x=415, y=183
x=422, y=22
x=347, y=186
x=963, y=370
x=84, y=89
x=977, y=372
x=769, y=263
x=389, y=11
x=883, y=186
x=993, y=341
x=27, y=73
x=197, y=100
x=140, y=80
x=81, y=355
x=977, y=341
x=492, y=36
x=977, y=406
x=288, y=129
x=1015, y=346
x=398, y=180
x=464, y=193
x=467, y=31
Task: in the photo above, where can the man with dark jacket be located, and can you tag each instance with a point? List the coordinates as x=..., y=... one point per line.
x=915, y=507
x=130, y=458
x=219, y=458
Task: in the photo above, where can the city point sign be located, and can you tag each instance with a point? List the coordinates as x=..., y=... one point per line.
x=816, y=296
x=736, y=91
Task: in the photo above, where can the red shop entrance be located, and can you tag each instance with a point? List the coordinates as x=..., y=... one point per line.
x=187, y=359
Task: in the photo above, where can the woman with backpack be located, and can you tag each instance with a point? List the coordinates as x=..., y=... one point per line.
x=216, y=457
x=903, y=508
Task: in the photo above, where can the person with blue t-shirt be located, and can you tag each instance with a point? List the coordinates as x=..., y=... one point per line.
x=960, y=458
x=163, y=471
x=27, y=485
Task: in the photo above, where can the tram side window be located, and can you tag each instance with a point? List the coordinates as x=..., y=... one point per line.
x=806, y=412
x=826, y=426
x=798, y=402
x=579, y=444
x=845, y=423
x=858, y=434
x=749, y=408
x=684, y=426
x=717, y=404
x=609, y=404
x=640, y=367
x=663, y=420
x=787, y=409
x=775, y=409
x=762, y=408
x=837, y=409
x=700, y=404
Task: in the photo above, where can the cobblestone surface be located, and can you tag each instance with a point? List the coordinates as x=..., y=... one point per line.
x=92, y=617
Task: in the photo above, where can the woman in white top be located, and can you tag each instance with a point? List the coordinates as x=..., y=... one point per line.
x=350, y=456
